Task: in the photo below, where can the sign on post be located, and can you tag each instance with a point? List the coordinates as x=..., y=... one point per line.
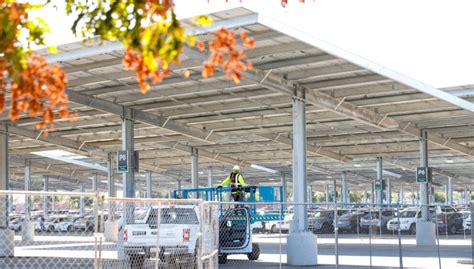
x=122, y=161
x=378, y=186
x=423, y=175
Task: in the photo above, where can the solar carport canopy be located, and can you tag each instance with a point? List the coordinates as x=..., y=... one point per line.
x=355, y=111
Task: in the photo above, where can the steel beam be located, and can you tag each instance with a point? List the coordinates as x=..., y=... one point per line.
x=276, y=82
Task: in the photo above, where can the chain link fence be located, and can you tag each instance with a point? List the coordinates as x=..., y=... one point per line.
x=88, y=230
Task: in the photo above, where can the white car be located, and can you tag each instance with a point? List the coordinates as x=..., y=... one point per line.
x=276, y=225
x=66, y=225
x=408, y=219
x=466, y=224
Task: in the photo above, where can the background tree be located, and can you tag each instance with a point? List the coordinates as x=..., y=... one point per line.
x=154, y=39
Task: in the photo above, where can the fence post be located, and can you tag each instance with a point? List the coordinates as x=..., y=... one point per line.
x=399, y=233
x=158, y=223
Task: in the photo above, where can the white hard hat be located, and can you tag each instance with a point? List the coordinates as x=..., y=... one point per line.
x=236, y=168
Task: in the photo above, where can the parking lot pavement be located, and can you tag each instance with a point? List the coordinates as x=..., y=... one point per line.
x=355, y=253
x=78, y=252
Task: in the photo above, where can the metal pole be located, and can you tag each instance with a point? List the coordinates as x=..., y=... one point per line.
x=389, y=192
x=111, y=186
x=450, y=191
x=285, y=190
x=344, y=190
x=45, y=198
x=179, y=184
x=372, y=194
x=299, y=165
x=209, y=177
x=380, y=178
x=95, y=187
x=4, y=175
x=413, y=196
x=401, y=195
x=424, y=186
x=465, y=195
x=81, y=200
x=194, y=168
x=148, y=185
x=326, y=191
x=128, y=144
x=27, y=188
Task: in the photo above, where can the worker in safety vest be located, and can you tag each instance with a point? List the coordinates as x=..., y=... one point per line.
x=235, y=179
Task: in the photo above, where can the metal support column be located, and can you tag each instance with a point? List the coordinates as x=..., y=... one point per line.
x=111, y=189
x=401, y=195
x=45, y=198
x=179, y=184
x=194, y=168
x=326, y=193
x=209, y=177
x=299, y=165
x=345, y=200
x=148, y=185
x=7, y=240
x=81, y=200
x=424, y=187
x=302, y=244
x=95, y=186
x=425, y=229
x=466, y=196
x=378, y=194
x=388, y=195
x=128, y=144
x=27, y=188
x=285, y=188
x=449, y=198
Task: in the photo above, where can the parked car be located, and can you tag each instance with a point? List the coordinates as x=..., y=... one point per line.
x=15, y=224
x=85, y=223
x=466, y=224
x=376, y=219
x=449, y=223
x=276, y=225
x=51, y=225
x=66, y=225
x=408, y=219
x=323, y=221
x=349, y=222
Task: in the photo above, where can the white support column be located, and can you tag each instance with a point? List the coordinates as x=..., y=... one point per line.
x=7, y=242
x=128, y=144
x=309, y=195
x=366, y=197
x=111, y=189
x=111, y=225
x=209, y=177
x=179, y=184
x=194, y=168
x=372, y=194
x=425, y=229
x=149, y=186
x=45, y=198
x=285, y=190
x=95, y=187
x=28, y=227
x=302, y=245
x=449, y=198
x=388, y=193
x=413, y=195
x=401, y=195
x=326, y=193
x=345, y=200
x=378, y=194
x=81, y=200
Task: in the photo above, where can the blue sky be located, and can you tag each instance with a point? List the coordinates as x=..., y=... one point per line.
x=429, y=40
